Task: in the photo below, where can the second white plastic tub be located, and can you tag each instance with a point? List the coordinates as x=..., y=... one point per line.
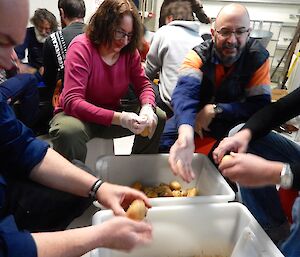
x=202, y=230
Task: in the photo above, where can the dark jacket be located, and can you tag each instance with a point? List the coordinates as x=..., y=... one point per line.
x=50, y=58
x=35, y=49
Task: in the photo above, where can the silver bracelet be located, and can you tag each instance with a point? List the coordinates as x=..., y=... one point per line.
x=94, y=188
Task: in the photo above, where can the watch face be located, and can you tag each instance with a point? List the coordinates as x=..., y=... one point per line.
x=286, y=181
x=286, y=178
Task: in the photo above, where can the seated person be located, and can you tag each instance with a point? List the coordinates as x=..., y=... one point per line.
x=271, y=159
x=99, y=66
x=168, y=48
x=221, y=83
x=72, y=14
x=18, y=87
x=197, y=8
x=44, y=23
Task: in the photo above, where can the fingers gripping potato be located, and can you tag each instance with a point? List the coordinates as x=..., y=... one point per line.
x=226, y=158
x=137, y=210
x=145, y=132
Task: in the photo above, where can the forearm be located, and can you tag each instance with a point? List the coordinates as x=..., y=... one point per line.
x=274, y=114
x=243, y=110
x=185, y=101
x=56, y=172
x=116, y=119
x=69, y=243
x=186, y=131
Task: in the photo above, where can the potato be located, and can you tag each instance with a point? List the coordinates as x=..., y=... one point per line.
x=151, y=194
x=192, y=192
x=137, y=185
x=183, y=192
x=176, y=193
x=145, y=132
x=164, y=191
x=174, y=185
x=226, y=158
x=137, y=210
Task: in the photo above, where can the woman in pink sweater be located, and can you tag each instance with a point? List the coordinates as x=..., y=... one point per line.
x=100, y=64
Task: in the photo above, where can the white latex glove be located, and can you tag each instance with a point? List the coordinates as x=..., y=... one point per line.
x=132, y=121
x=150, y=118
x=181, y=153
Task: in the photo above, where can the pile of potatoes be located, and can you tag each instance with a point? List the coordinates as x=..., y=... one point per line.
x=173, y=189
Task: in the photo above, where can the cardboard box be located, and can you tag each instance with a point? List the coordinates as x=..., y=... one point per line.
x=200, y=230
x=151, y=170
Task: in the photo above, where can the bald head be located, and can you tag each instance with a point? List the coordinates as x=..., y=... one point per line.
x=13, y=22
x=232, y=14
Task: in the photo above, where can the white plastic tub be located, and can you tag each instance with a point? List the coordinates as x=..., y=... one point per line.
x=151, y=170
x=202, y=230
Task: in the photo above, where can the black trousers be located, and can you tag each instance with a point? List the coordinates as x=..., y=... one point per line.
x=37, y=208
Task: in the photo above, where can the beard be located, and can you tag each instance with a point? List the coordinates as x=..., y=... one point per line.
x=228, y=60
x=40, y=37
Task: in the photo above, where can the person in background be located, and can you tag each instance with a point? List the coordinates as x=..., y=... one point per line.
x=100, y=64
x=44, y=23
x=271, y=159
x=197, y=8
x=72, y=13
x=18, y=86
x=169, y=46
x=27, y=160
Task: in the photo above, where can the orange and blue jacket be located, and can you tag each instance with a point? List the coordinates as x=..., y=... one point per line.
x=240, y=90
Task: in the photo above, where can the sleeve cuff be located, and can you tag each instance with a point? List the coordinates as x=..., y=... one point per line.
x=17, y=243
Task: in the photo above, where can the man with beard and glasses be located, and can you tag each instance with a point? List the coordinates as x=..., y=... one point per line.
x=221, y=83
x=44, y=23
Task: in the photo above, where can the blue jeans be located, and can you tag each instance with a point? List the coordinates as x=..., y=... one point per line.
x=169, y=135
x=25, y=91
x=291, y=247
x=264, y=202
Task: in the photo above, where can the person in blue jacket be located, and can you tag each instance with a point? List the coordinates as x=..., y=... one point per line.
x=33, y=177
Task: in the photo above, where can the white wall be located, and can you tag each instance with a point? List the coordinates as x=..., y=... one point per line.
x=51, y=5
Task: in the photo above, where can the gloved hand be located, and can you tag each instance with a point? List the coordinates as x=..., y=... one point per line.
x=133, y=122
x=150, y=118
x=181, y=153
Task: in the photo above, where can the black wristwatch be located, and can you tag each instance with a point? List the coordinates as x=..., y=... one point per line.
x=217, y=109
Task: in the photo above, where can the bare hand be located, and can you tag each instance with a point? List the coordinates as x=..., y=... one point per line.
x=122, y=233
x=181, y=154
x=237, y=143
x=250, y=170
x=118, y=197
x=204, y=118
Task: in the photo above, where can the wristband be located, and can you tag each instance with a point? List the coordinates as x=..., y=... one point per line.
x=94, y=188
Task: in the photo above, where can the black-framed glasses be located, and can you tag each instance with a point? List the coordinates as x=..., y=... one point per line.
x=226, y=33
x=119, y=34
